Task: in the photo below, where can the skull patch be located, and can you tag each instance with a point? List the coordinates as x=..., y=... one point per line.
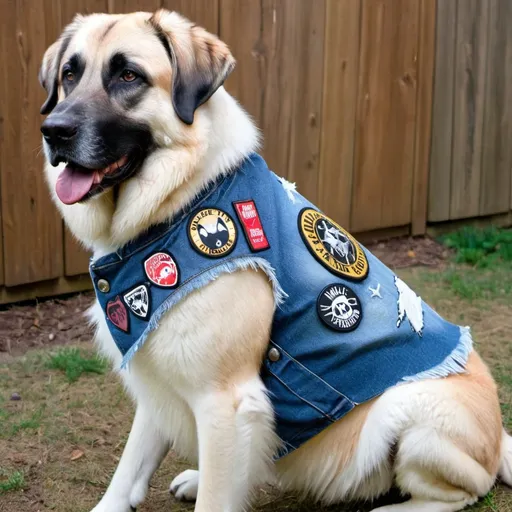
x=339, y=308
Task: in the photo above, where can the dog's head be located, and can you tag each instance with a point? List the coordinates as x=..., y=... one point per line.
x=113, y=81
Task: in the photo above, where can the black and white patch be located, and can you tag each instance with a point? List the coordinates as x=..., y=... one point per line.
x=137, y=300
x=339, y=308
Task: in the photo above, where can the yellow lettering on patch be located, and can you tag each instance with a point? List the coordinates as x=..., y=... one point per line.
x=332, y=246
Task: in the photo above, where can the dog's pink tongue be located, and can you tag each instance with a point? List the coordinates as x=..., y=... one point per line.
x=73, y=184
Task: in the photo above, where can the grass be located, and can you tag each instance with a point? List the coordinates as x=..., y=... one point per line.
x=86, y=409
x=15, y=481
x=74, y=364
x=481, y=247
x=33, y=422
x=481, y=267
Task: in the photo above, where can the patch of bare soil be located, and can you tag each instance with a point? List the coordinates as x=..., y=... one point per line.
x=50, y=322
x=410, y=251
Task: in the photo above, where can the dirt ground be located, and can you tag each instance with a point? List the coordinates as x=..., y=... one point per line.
x=60, y=441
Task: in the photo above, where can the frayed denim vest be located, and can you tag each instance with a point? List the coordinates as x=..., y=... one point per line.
x=345, y=328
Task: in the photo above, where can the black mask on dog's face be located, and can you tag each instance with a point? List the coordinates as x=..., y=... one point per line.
x=102, y=93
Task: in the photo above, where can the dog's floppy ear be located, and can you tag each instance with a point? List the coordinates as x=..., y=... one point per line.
x=49, y=70
x=200, y=61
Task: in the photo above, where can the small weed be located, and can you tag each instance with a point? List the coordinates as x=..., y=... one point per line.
x=489, y=501
x=14, y=482
x=32, y=423
x=73, y=363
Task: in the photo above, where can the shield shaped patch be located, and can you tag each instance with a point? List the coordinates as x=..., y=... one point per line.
x=137, y=300
x=161, y=269
x=117, y=314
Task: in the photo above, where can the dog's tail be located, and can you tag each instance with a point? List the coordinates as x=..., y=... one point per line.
x=505, y=471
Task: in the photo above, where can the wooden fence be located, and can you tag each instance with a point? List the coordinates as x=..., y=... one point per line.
x=343, y=90
x=471, y=164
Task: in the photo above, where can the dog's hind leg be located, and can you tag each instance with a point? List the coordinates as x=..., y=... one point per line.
x=142, y=455
x=426, y=506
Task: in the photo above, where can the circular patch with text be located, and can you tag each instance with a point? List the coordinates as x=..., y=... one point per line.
x=332, y=246
x=339, y=308
x=212, y=232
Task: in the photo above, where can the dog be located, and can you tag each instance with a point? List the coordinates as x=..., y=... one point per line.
x=139, y=128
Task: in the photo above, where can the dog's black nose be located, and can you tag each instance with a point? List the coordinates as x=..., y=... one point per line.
x=58, y=129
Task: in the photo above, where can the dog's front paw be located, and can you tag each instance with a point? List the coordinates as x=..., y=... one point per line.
x=184, y=486
x=113, y=505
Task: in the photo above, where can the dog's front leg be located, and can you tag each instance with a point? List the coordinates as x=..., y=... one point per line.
x=216, y=428
x=141, y=457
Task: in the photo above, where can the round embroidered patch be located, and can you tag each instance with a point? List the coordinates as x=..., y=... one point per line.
x=161, y=269
x=212, y=232
x=332, y=246
x=339, y=308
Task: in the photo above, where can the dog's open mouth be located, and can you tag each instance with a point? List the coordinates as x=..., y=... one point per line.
x=77, y=183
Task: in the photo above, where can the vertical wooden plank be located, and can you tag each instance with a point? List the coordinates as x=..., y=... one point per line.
x=341, y=66
x=32, y=228
x=470, y=79
x=386, y=115
x=247, y=28
x=279, y=48
x=306, y=49
x=426, y=57
x=76, y=260
x=126, y=6
x=442, y=115
x=7, y=16
x=495, y=183
x=203, y=12
x=71, y=7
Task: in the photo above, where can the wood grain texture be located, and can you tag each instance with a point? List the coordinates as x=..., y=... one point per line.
x=426, y=58
x=306, y=52
x=71, y=7
x=386, y=115
x=279, y=47
x=60, y=286
x=470, y=80
x=202, y=12
x=6, y=16
x=341, y=67
x=32, y=229
x=249, y=43
x=126, y=6
x=495, y=182
x=76, y=259
x=442, y=113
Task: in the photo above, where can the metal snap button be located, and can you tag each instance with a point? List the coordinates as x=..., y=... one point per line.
x=274, y=355
x=103, y=285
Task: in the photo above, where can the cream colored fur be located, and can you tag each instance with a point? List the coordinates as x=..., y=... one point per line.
x=196, y=385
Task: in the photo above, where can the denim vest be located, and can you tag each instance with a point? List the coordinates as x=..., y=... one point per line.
x=345, y=328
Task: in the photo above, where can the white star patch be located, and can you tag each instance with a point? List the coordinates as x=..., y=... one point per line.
x=375, y=291
x=290, y=189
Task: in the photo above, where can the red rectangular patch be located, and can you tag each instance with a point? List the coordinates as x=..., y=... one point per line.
x=250, y=219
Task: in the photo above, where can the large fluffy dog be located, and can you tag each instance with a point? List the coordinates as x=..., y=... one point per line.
x=139, y=124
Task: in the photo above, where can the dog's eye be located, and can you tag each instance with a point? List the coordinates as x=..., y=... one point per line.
x=128, y=75
x=69, y=76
